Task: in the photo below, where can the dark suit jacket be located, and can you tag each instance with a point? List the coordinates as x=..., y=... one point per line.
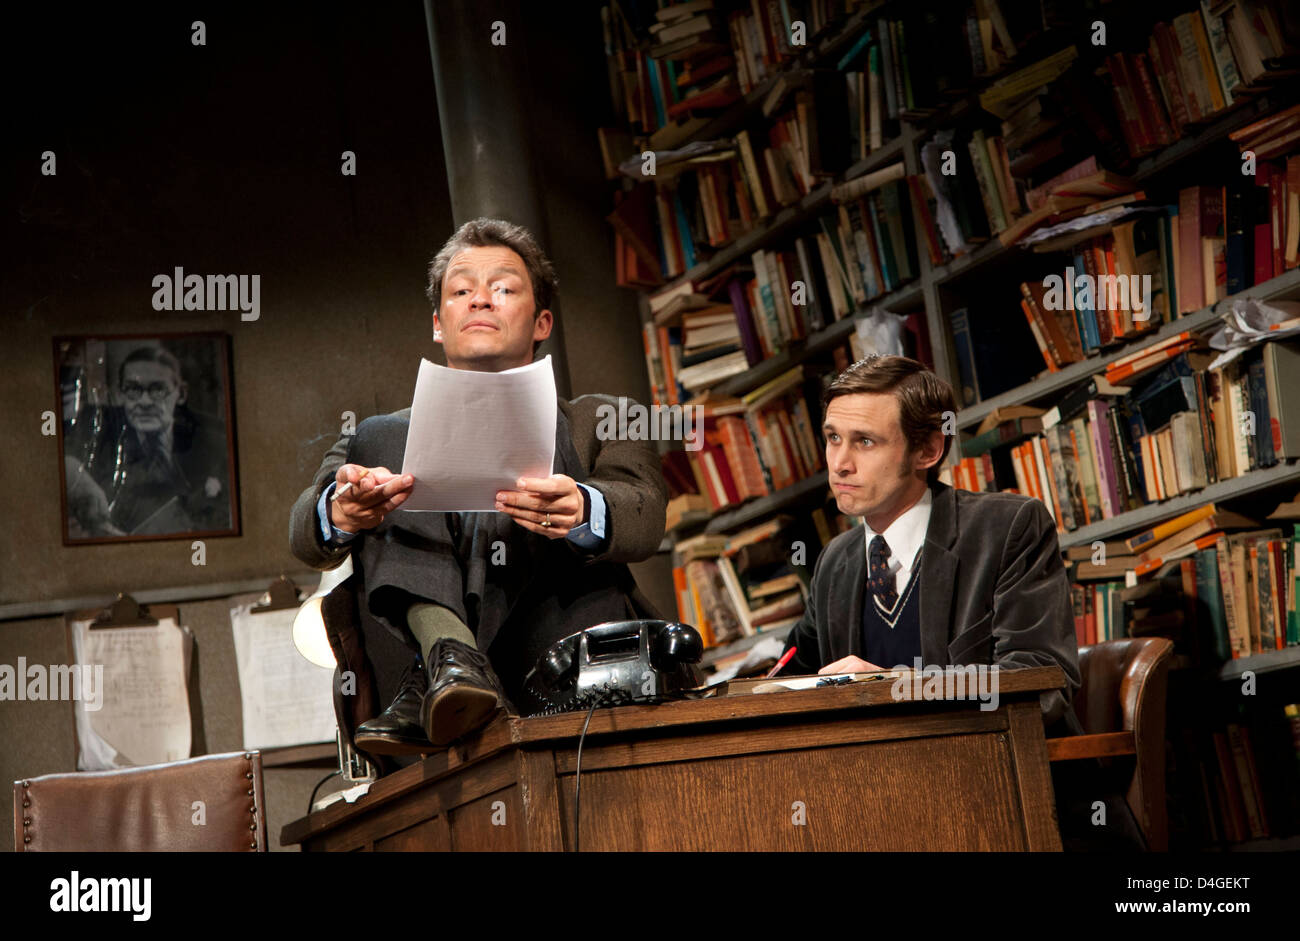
x=548, y=588
x=992, y=589
x=114, y=458
x=627, y=473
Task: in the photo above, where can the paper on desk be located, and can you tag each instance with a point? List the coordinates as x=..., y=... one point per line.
x=812, y=682
x=287, y=699
x=144, y=709
x=474, y=433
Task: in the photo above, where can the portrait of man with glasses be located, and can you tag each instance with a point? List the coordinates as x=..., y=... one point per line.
x=146, y=452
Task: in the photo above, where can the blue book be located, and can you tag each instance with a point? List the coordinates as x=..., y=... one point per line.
x=847, y=59
x=1085, y=315
x=656, y=92
x=1261, y=442
x=965, y=351
x=1209, y=591
x=1238, y=244
x=684, y=227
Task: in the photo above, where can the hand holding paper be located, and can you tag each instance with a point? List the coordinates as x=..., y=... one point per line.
x=474, y=434
x=550, y=506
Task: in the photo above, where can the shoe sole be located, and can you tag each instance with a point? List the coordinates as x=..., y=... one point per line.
x=378, y=743
x=456, y=711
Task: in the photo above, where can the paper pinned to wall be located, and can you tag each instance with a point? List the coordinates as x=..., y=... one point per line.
x=474, y=433
x=141, y=715
x=287, y=700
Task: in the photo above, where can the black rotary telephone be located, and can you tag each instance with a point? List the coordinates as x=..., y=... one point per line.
x=615, y=663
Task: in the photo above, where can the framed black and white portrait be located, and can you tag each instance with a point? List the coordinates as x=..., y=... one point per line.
x=147, y=437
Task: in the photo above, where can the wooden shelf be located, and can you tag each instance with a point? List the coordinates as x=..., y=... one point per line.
x=1266, y=662
x=827, y=47
x=1143, y=517
x=909, y=295
x=1255, y=108
x=1284, y=284
x=763, y=506
x=807, y=208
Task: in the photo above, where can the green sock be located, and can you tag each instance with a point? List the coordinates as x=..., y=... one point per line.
x=431, y=623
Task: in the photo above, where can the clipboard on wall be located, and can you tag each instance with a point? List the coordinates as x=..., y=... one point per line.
x=133, y=702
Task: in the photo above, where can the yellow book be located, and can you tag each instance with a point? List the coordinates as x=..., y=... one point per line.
x=1169, y=527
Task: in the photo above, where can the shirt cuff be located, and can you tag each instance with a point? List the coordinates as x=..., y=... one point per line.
x=591, y=534
x=330, y=534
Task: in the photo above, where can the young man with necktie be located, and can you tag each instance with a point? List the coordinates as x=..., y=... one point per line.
x=949, y=576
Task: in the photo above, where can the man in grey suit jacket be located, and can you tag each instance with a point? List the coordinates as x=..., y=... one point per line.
x=480, y=595
x=949, y=576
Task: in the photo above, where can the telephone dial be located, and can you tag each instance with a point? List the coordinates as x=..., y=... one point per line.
x=615, y=663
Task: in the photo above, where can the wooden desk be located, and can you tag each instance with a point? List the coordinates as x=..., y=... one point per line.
x=863, y=771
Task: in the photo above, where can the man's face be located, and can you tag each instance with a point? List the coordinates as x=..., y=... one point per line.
x=151, y=392
x=485, y=317
x=872, y=472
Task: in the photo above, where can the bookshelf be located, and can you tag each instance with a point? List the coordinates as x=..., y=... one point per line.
x=823, y=48
x=1286, y=472
x=905, y=298
x=1267, y=662
x=1200, y=154
x=766, y=506
x=1284, y=286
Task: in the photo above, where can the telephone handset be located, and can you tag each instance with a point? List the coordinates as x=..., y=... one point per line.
x=615, y=663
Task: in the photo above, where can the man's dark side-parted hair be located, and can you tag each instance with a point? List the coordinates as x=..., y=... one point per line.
x=482, y=232
x=922, y=397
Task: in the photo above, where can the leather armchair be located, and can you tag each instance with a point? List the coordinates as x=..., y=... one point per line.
x=1121, y=706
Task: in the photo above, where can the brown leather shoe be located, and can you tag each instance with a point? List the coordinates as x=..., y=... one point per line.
x=464, y=693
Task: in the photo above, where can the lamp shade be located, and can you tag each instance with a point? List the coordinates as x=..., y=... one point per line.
x=309, y=627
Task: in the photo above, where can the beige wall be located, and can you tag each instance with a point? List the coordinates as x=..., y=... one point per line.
x=146, y=182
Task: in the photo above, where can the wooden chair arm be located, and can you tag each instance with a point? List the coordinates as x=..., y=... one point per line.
x=1100, y=745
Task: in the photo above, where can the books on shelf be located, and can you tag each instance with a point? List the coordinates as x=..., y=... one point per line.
x=1180, y=427
x=735, y=586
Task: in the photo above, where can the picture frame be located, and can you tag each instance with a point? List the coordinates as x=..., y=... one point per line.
x=146, y=433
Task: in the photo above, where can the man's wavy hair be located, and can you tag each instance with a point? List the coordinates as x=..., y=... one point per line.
x=922, y=397
x=482, y=232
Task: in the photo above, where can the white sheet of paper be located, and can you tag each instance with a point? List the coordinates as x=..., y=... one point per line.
x=474, y=433
x=287, y=699
x=145, y=714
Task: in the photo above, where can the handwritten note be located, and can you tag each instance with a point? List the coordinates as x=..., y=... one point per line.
x=287, y=699
x=144, y=715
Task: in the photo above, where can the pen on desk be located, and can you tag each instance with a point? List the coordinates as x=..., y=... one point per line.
x=780, y=664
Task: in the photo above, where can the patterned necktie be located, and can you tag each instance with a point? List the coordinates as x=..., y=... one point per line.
x=879, y=579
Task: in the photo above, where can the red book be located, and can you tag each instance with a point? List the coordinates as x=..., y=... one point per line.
x=1261, y=219
x=1126, y=108
x=1277, y=217
x=1038, y=336
x=1102, y=316
x=921, y=208
x=1277, y=553
x=1166, y=74
x=1191, y=285
x=1090, y=614
x=1148, y=100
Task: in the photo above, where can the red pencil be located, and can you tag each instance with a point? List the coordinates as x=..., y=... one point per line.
x=780, y=664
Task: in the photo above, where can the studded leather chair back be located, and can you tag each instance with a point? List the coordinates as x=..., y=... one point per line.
x=212, y=803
